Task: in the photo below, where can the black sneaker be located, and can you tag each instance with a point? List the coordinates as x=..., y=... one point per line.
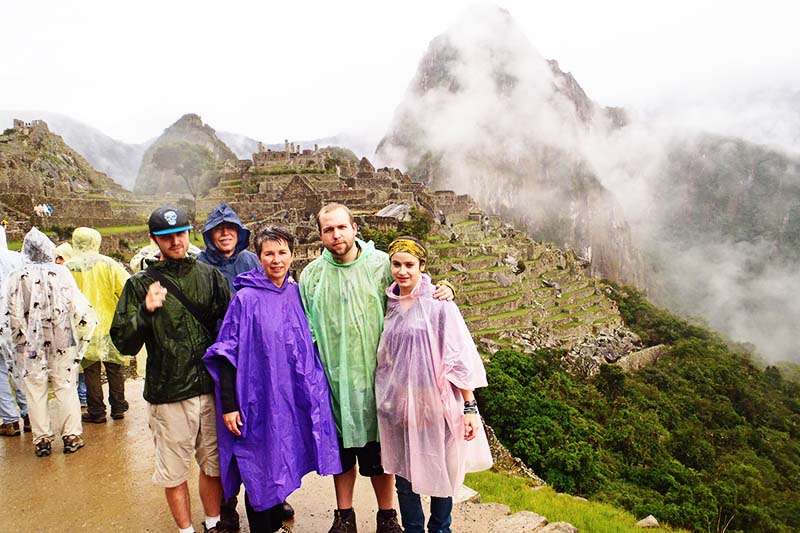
x=86, y=417
x=341, y=525
x=287, y=511
x=228, y=516
x=43, y=448
x=387, y=522
x=216, y=529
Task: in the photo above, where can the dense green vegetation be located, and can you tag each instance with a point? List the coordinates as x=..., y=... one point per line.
x=704, y=439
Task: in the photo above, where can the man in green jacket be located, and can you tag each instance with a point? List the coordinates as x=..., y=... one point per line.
x=178, y=389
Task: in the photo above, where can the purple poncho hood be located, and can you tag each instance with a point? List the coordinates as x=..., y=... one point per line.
x=283, y=395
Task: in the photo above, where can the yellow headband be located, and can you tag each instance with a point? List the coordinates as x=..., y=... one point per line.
x=409, y=246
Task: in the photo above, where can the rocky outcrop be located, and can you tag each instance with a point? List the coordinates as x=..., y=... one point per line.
x=153, y=179
x=485, y=114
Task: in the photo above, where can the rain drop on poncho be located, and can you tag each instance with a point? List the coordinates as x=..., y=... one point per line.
x=50, y=318
x=101, y=280
x=426, y=355
x=345, y=306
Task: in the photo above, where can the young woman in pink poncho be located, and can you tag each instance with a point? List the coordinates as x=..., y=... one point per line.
x=428, y=366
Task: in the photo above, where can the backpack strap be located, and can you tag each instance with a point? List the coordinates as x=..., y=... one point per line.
x=176, y=292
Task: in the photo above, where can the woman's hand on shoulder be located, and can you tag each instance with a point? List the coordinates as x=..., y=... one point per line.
x=444, y=292
x=233, y=421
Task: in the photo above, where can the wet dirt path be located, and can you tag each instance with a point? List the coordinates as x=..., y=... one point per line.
x=106, y=486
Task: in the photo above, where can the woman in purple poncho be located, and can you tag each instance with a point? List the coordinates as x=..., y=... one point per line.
x=274, y=414
x=428, y=366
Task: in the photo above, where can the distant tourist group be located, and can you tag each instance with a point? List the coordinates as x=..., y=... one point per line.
x=362, y=366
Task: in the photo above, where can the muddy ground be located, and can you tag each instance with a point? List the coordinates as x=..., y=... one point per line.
x=106, y=486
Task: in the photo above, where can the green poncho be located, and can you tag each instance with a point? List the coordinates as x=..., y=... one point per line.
x=101, y=280
x=345, y=306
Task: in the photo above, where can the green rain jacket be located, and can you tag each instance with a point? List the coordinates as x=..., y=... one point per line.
x=345, y=305
x=175, y=340
x=101, y=280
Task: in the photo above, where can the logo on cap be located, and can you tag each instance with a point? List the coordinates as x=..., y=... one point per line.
x=171, y=217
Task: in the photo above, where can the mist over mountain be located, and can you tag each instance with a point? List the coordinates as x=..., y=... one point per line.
x=118, y=159
x=715, y=217
x=487, y=115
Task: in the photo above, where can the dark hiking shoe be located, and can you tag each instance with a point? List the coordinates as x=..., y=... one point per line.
x=43, y=448
x=388, y=524
x=86, y=417
x=116, y=416
x=26, y=423
x=216, y=529
x=341, y=525
x=9, y=430
x=287, y=511
x=72, y=443
x=228, y=516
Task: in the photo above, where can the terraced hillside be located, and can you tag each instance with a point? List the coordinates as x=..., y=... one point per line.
x=517, y=292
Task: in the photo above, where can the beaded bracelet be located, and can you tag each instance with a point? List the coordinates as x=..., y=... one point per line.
x=470, y=406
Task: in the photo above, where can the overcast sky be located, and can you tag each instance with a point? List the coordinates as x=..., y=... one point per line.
x=303, y=69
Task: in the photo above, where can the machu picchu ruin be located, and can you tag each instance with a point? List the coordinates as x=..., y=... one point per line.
x=513, y=291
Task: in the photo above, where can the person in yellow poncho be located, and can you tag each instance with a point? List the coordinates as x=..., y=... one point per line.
x=101, y=280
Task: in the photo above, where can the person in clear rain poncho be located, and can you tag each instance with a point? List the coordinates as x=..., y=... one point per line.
x=428, y=367
x=101, y=280
x=12, y=406
x=51, y=324
x=64, y=253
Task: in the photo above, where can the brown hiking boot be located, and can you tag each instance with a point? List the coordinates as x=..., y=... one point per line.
x=10, y=430
x=72, y=443
x=388, y=524
x=341, y=525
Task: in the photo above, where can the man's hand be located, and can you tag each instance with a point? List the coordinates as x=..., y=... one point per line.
x=233, y=422
x=156, y=294
x=444, y=292
x=470, y=425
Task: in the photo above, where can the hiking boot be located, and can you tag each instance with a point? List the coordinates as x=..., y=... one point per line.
x=341, y=525
x=26, y=423
x=287, y=511
x=86, y=417
x=228, y=517
x=10, y=430
x=72, y=443
x=216, y=529
x=43, y=448
x=117, y=416
x=388, y=524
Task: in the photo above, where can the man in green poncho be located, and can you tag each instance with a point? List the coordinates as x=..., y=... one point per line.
x=343, y=292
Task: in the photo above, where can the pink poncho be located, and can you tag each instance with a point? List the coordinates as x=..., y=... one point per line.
x=426, y=355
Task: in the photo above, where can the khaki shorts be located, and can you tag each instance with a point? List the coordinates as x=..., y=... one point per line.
x=181, y=429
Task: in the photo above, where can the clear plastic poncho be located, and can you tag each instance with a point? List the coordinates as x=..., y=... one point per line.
x=345, y=306
x=49, y=317
x=426, y=357
x=101, y=280
x=9, y=261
